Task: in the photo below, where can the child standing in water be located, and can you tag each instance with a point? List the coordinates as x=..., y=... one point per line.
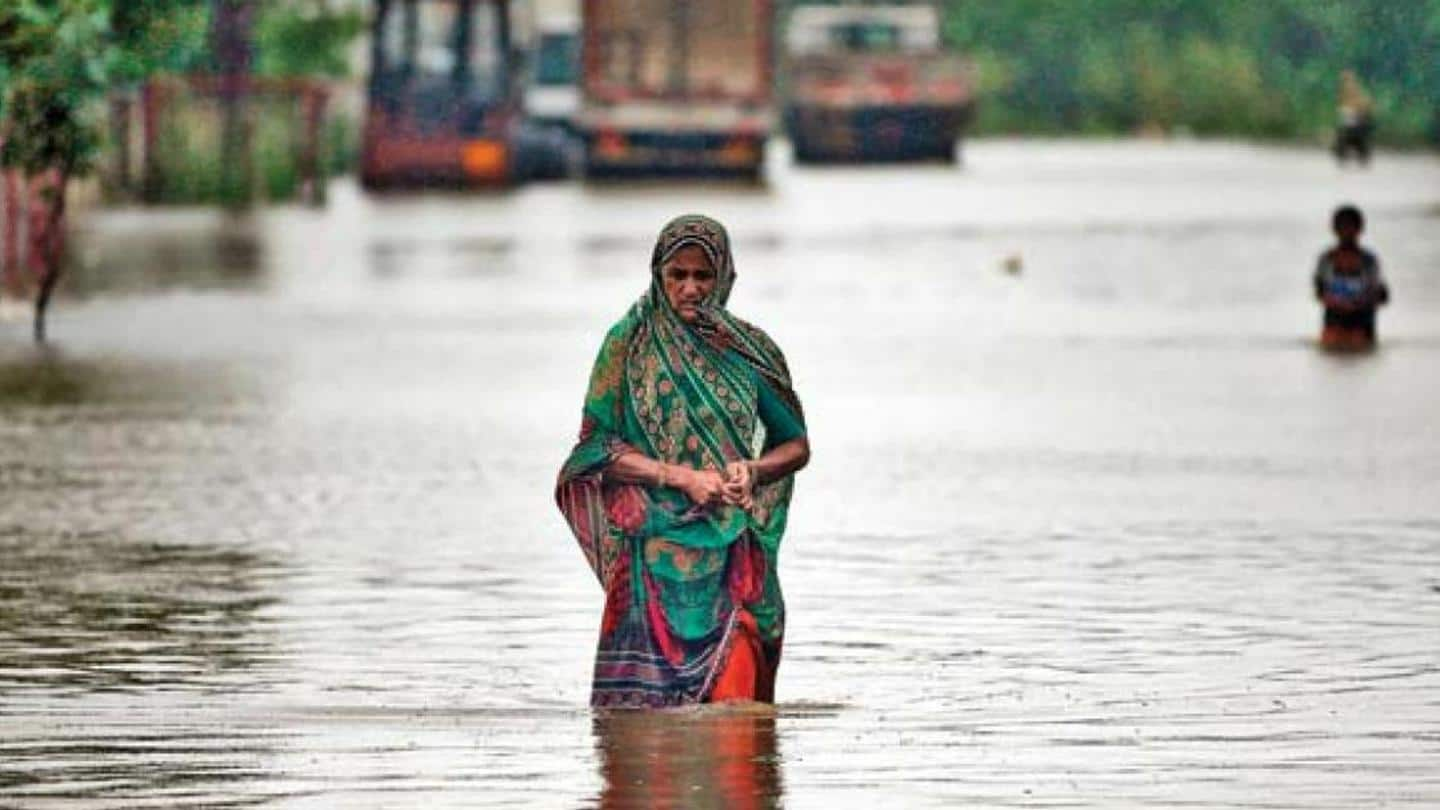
x=1348, y=283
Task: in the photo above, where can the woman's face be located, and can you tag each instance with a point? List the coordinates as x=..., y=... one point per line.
x=687, y=278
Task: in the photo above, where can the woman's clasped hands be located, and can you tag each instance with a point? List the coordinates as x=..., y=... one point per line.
x=739, y=485
x=733, y=486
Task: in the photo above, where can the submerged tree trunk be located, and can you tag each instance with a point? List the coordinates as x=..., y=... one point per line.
x=312, y=168
x=231, y=33
x=121, y=102
x=10, y=271
x=50, y=242
x=152, y=180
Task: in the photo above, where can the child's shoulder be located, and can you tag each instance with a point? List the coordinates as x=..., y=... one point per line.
x=1366, y=254
x=1327, y=256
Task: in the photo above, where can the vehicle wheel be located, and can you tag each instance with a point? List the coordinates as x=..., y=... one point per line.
x=803, y=150
x=371, y=182
x=543, y=153
x=589, y=168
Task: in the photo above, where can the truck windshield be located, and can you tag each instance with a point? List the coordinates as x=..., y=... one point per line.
x=866, y=36
x=429, y=40
x=436, y=47
x=556, y=59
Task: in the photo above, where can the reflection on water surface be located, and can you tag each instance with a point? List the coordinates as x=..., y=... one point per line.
x=95, y=612
x=720, y=758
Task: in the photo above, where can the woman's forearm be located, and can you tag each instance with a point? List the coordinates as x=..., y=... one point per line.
x=637, y=468
x=782, y=460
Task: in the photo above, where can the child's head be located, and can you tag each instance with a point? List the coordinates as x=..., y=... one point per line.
x=1347, y=222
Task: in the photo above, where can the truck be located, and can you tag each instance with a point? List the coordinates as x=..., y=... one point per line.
x=552, y=92
x=676, y=87
x=872, y=83
x=444, y=102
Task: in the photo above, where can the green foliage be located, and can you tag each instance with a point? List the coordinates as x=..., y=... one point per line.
x=60, y=58
x=292, y=37
x=1206, y=66
x=45, y=130
x=305, y=40
x=189, y=155
x=158, y=36
x=57, y=65
x=340, y=147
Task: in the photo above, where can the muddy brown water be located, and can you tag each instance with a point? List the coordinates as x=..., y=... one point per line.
x=1109, y=531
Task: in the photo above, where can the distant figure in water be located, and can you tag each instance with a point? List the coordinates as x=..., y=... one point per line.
x=1349, y=284
x=679, y=487
x=1357, y=121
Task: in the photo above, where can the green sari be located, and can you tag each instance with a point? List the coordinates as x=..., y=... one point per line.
x=681, y=582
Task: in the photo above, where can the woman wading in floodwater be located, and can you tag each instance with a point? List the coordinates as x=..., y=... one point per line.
x=679, y=487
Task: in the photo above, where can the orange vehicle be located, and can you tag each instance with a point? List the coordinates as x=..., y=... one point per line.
x=872, y=83
x=676, y=86
x=442, y=102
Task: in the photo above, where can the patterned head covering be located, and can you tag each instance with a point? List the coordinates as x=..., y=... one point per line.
x=709, y=236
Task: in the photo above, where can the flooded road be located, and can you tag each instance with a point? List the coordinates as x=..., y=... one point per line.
x=276, y=519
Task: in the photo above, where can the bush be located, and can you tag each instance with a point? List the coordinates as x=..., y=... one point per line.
x=1215, y=67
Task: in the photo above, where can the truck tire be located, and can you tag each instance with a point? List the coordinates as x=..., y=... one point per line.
x=803, y=150
x=542, y=153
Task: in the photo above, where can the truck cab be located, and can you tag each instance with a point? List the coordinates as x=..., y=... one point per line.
x=868, y=83
x=552, y=91
x=442, y=102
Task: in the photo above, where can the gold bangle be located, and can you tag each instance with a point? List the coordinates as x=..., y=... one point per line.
x=660, y=474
